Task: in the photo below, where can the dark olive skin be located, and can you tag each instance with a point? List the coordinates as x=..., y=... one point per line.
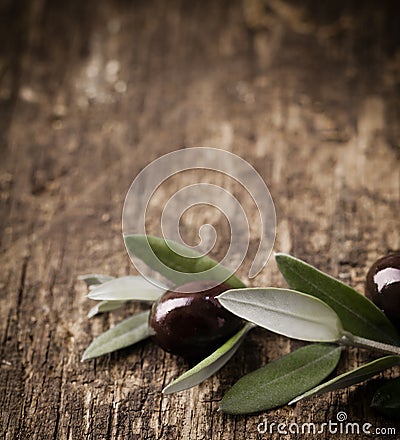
x=383, y=286
x=189, y=321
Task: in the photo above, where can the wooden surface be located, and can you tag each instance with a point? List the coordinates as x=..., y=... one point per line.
x=90, y=92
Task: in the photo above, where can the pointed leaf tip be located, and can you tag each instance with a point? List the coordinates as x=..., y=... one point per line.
x=93, y=279
x=128, y=288
x=104, y=306
x=127, y=332
x=210, y=365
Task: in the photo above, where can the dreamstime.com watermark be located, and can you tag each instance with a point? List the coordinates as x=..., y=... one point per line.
x=339, y=426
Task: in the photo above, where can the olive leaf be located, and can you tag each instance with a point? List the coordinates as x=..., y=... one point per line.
x=175, y=261
x=386, y=399
x=279, y=381
x=352, y=377
x=127, y=288
x=105, y=306
x=358, y=314
x=287, y=312
x=210, y=365
x=126, y=333
x=92, y=279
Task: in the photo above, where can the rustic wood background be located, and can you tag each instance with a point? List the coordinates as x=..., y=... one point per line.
x=92, y=91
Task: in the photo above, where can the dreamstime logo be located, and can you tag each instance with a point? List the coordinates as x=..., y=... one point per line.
x=341, y=416
x=339, y=426
x=224, y=190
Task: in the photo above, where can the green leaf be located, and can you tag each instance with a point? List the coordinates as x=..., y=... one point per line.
x=127, y=288
x=175, y=261
x=287, y=312
x=126, y=333
x=279, y=381
x=210, y=365
x=358, y=314
x=386, y=399
x=355, y=376
x=92, y=279
x=105, y=306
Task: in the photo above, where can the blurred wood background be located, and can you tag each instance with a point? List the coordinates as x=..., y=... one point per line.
x=92, y=91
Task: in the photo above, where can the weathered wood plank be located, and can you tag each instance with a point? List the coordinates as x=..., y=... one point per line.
x=90, y=92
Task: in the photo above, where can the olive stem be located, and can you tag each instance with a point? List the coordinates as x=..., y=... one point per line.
x=357, y=341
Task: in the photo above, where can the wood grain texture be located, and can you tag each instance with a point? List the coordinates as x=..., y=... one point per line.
x=90, y=92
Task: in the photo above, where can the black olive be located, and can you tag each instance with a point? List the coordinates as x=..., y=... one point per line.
x=189, y=320
x=383, y=286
